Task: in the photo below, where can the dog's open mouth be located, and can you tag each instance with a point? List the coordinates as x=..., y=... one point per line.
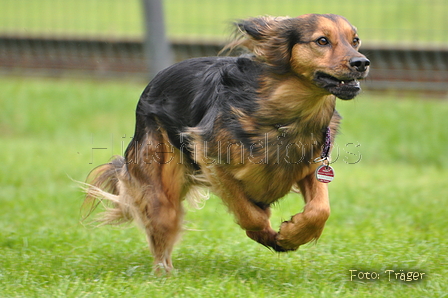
x=341, y=88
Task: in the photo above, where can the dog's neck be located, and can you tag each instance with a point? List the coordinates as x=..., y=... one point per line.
x=295, y=103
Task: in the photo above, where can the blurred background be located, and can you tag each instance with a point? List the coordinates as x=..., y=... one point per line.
x=406, y=40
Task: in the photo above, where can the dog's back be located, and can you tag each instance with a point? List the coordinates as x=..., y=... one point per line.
x=193, y=92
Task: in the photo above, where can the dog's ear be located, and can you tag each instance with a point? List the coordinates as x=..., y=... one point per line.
x=270, y=39
x=258, y=28
x=255, y=28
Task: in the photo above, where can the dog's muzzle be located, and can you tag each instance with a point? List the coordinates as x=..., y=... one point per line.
x=346, y=87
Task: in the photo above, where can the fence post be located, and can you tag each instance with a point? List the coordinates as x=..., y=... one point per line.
x=156, y=47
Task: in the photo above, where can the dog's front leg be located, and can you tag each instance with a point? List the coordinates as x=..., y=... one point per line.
x=308, y=225
x=266, y=236
x=252, y=218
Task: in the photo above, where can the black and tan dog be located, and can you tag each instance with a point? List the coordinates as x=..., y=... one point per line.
x=247, y=127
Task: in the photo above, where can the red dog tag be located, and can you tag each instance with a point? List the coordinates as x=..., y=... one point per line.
x=324, y=174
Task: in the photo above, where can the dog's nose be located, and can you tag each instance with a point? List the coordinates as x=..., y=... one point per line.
x=360, y=63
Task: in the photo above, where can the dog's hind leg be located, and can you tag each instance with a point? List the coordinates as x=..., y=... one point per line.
x=161, y=186
x=162, y=224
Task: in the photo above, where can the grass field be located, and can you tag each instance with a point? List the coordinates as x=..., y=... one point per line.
x=389, y=203
x=398, y=21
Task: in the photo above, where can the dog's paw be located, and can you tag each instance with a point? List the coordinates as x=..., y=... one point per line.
x=279, y=248
x=268, y=238
x=298, y=231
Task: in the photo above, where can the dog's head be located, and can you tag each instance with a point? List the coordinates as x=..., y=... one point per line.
x=322, y=49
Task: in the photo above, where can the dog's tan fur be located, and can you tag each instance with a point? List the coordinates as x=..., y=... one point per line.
x=151, y=182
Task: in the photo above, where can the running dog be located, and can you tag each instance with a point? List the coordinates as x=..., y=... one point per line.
x=249, y=128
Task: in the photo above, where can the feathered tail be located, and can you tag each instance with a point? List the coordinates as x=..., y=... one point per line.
x=103, y=187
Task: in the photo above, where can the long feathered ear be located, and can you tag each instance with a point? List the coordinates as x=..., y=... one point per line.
x=270, y=39
x=257, y=28
x=250, y=31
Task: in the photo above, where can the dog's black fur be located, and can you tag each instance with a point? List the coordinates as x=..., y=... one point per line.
x=194, y=92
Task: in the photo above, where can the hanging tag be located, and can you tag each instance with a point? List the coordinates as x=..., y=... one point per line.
x=324, y=173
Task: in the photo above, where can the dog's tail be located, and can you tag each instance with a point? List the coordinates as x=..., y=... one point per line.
x=103, y=187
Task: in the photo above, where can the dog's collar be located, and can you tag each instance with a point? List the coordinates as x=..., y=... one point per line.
x=325, y=155
x=325, y=173
x=327, y=144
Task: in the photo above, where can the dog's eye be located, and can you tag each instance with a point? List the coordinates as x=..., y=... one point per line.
x=322, y=41
x=356, y=42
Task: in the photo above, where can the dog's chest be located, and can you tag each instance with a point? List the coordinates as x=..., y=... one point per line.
x=266, y=162
x=272, y=166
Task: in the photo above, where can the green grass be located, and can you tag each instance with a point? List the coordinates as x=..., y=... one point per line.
x=397, y=21
x=388, y=209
